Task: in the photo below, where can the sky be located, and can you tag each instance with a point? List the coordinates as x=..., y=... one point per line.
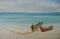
x=30, y=5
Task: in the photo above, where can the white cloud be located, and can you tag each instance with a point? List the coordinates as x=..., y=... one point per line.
x=29, y=6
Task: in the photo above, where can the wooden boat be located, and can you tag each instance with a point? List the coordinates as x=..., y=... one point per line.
x=44, y=29
x=36, y=27
x=39, y=26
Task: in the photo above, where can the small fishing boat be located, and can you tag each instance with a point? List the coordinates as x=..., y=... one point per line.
x=39, y=26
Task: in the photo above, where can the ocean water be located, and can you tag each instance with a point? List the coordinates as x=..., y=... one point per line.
x=23, y=20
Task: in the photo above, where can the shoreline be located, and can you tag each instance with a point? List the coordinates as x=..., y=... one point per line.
x=15, y=34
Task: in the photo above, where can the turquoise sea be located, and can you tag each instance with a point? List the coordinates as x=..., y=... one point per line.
x=23, y=20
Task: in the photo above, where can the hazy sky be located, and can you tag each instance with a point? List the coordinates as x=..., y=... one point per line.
x=30, y=5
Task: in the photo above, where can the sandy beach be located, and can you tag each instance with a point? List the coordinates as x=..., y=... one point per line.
x=14, y=34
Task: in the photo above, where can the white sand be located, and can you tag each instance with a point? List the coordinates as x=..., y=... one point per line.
x=10, y=34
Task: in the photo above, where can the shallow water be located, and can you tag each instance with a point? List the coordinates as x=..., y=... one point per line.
x=23, y=21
